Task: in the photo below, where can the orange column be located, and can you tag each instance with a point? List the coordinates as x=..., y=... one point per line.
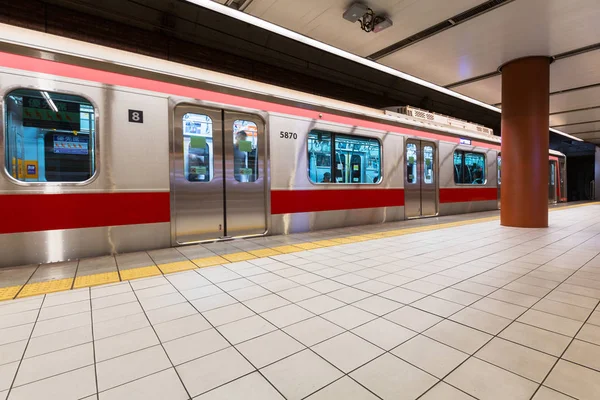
x=525, y=141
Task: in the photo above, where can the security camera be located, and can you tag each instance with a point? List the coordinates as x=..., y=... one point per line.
x=386, y=23
x=355, y=12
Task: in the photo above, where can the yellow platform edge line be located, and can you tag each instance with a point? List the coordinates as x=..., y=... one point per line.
x=39, y=288
x=9, y=292
x=96, y=279
x=141, y=272
x=177, y=266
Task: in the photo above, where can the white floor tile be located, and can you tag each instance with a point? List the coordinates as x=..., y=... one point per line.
x=194, y=346
x=249, y=387
x=206, y=373
x=429, y=355
x=58, y=341
x=121, y=325
x=124, y=343
x=443, y=391
x=393, y=379
x=246, y=329
x=170, y=313
x=287, y=315
x=227, y=314
x=71, y=385
x=46, y=365
x=313, y=330
x=384, y=333
x=269, y=348
x=347, y=351
x=413, y=318
x=377, y=305
x=181, y=327
x=300, y=375
x=348, y=317
x=346, y=389
x=7, y=374
x=266, y=303
x=159, y=386
x=321, y=304
x=518, y=359
x=12, y=351
x=120, y=370
x=458, y=336
x=536, y=338
x=485, y=381
x=481, y=320
x=211, y=302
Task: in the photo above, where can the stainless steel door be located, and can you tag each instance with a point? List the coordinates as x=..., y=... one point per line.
x=429, y=178
x=197, y=175
x=218, y=181
x=420, y=179
x=412, y=179
x=499, y=166
x=552, y=182
x=245, y=183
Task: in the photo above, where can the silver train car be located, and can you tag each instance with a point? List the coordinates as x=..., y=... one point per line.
x=107, y=151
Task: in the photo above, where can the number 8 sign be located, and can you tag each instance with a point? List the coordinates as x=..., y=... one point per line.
x=136, y=116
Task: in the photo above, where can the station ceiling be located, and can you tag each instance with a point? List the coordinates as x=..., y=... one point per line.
x=460, y=44
x=184, y=32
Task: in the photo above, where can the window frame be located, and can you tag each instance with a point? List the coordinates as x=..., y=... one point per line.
x=3, y=137
x=485, y=168
x=333, y=136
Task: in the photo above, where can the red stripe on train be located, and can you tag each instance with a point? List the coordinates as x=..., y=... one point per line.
x=459, y=195
x=297, y=201
x=42, y=212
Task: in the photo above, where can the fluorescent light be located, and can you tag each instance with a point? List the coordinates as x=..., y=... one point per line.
x=241, y=16
x=46, y=97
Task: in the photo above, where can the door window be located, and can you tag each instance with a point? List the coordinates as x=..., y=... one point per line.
x=411, y=163
x=198, y=147
x=245, y=151
x=428, y=158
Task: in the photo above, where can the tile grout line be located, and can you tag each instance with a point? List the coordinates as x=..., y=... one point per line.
x=160, y=342
x=25, y=349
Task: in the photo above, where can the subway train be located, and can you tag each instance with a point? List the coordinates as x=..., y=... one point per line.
x=107, y=151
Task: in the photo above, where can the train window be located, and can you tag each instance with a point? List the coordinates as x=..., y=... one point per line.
x=351, y=159
x=469, y=168
x=50, y=137
x=197, y=147
x=428, y=164
x=412, y=159
x=245, y=151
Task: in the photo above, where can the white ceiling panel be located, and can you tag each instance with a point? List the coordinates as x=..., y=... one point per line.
x=518, y=29
x=589, y=136
x=575, y=117
x=322, y=19
x=589, y=127
x=577, y=71
x=486, y=90
x=575, y=100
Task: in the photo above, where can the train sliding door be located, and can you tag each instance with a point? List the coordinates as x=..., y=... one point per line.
x=552, y=182
x=218, y=175
x=420, y=179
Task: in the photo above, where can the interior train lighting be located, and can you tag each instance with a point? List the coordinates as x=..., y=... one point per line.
x=250, y=19
x=51, y=104
x=369, y=22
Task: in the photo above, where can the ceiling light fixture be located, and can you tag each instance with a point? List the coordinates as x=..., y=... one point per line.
x=250, y=19
x=369, y=22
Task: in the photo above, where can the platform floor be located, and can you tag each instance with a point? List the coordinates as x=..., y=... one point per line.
x=449, y=308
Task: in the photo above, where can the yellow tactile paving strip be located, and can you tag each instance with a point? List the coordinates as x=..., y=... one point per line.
x=96, y=279
x=38, y=288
